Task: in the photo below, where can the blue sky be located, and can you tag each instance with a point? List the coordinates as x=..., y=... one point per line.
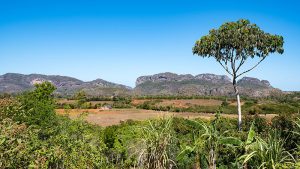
x=121, y=40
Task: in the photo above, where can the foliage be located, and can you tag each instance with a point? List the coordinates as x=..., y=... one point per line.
x=33, y=136
x=21, y=146
x=122, y=103
x=157, y=146
x=81, y=98
x=209, y=143
x=261, y=125
x=268, y=153
x=286, y=126
x=34, y=107
x=238, y=40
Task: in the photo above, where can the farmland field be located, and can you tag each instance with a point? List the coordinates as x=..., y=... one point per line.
x=115, y=116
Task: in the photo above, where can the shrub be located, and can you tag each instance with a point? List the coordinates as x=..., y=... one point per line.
x=76, y=144
x=224, y=104
x=254, y=110
x=285, y=124
x=260, y=126
x=34, y=107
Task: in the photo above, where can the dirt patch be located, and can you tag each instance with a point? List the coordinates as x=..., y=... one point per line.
x=233, y=103
x=139, y=101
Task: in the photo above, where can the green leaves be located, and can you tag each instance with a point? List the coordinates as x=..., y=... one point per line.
x=251, y=135
x=231, y=141
x=157, y=144
x=187, y=150
x=241, y=39
x=235, y=42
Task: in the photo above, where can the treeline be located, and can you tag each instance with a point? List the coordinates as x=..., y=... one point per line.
x=88, y=105
x=185, y=97
x=249, y=107
x=82, y=101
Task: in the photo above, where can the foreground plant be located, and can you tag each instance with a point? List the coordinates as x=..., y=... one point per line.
x=208, y=143
x=268, y=153
x=157, y=145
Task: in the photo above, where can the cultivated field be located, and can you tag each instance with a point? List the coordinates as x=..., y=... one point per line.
x=115, y=116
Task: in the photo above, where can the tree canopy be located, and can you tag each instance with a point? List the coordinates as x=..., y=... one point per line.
x=234, y=42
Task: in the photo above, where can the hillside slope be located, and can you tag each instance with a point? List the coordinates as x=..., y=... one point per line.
x=66, y=86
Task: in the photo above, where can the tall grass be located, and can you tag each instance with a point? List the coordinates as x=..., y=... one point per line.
x=267, y=153
x=157, y=144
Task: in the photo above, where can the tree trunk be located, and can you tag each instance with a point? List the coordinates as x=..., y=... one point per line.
x=238, y=105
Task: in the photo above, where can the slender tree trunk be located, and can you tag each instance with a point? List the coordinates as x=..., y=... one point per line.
x=238, y=104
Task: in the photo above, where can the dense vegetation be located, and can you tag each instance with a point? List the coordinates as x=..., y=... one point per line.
x=33, y=136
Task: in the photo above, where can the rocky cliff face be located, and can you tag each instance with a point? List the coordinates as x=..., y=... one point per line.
x=163, y=77
x=245, y=81
x=172, y=77
x=202, y=84
x=213, y=78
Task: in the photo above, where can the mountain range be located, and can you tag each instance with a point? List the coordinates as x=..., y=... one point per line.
x=158, y=84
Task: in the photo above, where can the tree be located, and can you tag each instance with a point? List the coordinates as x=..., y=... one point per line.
x=37, y=106
x=81, y=98
x=235, y=42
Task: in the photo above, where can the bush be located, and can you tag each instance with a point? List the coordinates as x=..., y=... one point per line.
x=224, y=104
x=254, y=110
x=260, y=126
x=285, y=124
x=76, y=144
x=34, y=107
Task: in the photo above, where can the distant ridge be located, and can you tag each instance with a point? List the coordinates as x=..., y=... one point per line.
x=157, y=84
x=202, y=84
x=66, y=86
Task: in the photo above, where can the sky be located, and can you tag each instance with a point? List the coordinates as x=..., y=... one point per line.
x=119, y=41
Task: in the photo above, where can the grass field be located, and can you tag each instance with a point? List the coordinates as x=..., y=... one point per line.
x=115, y=116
